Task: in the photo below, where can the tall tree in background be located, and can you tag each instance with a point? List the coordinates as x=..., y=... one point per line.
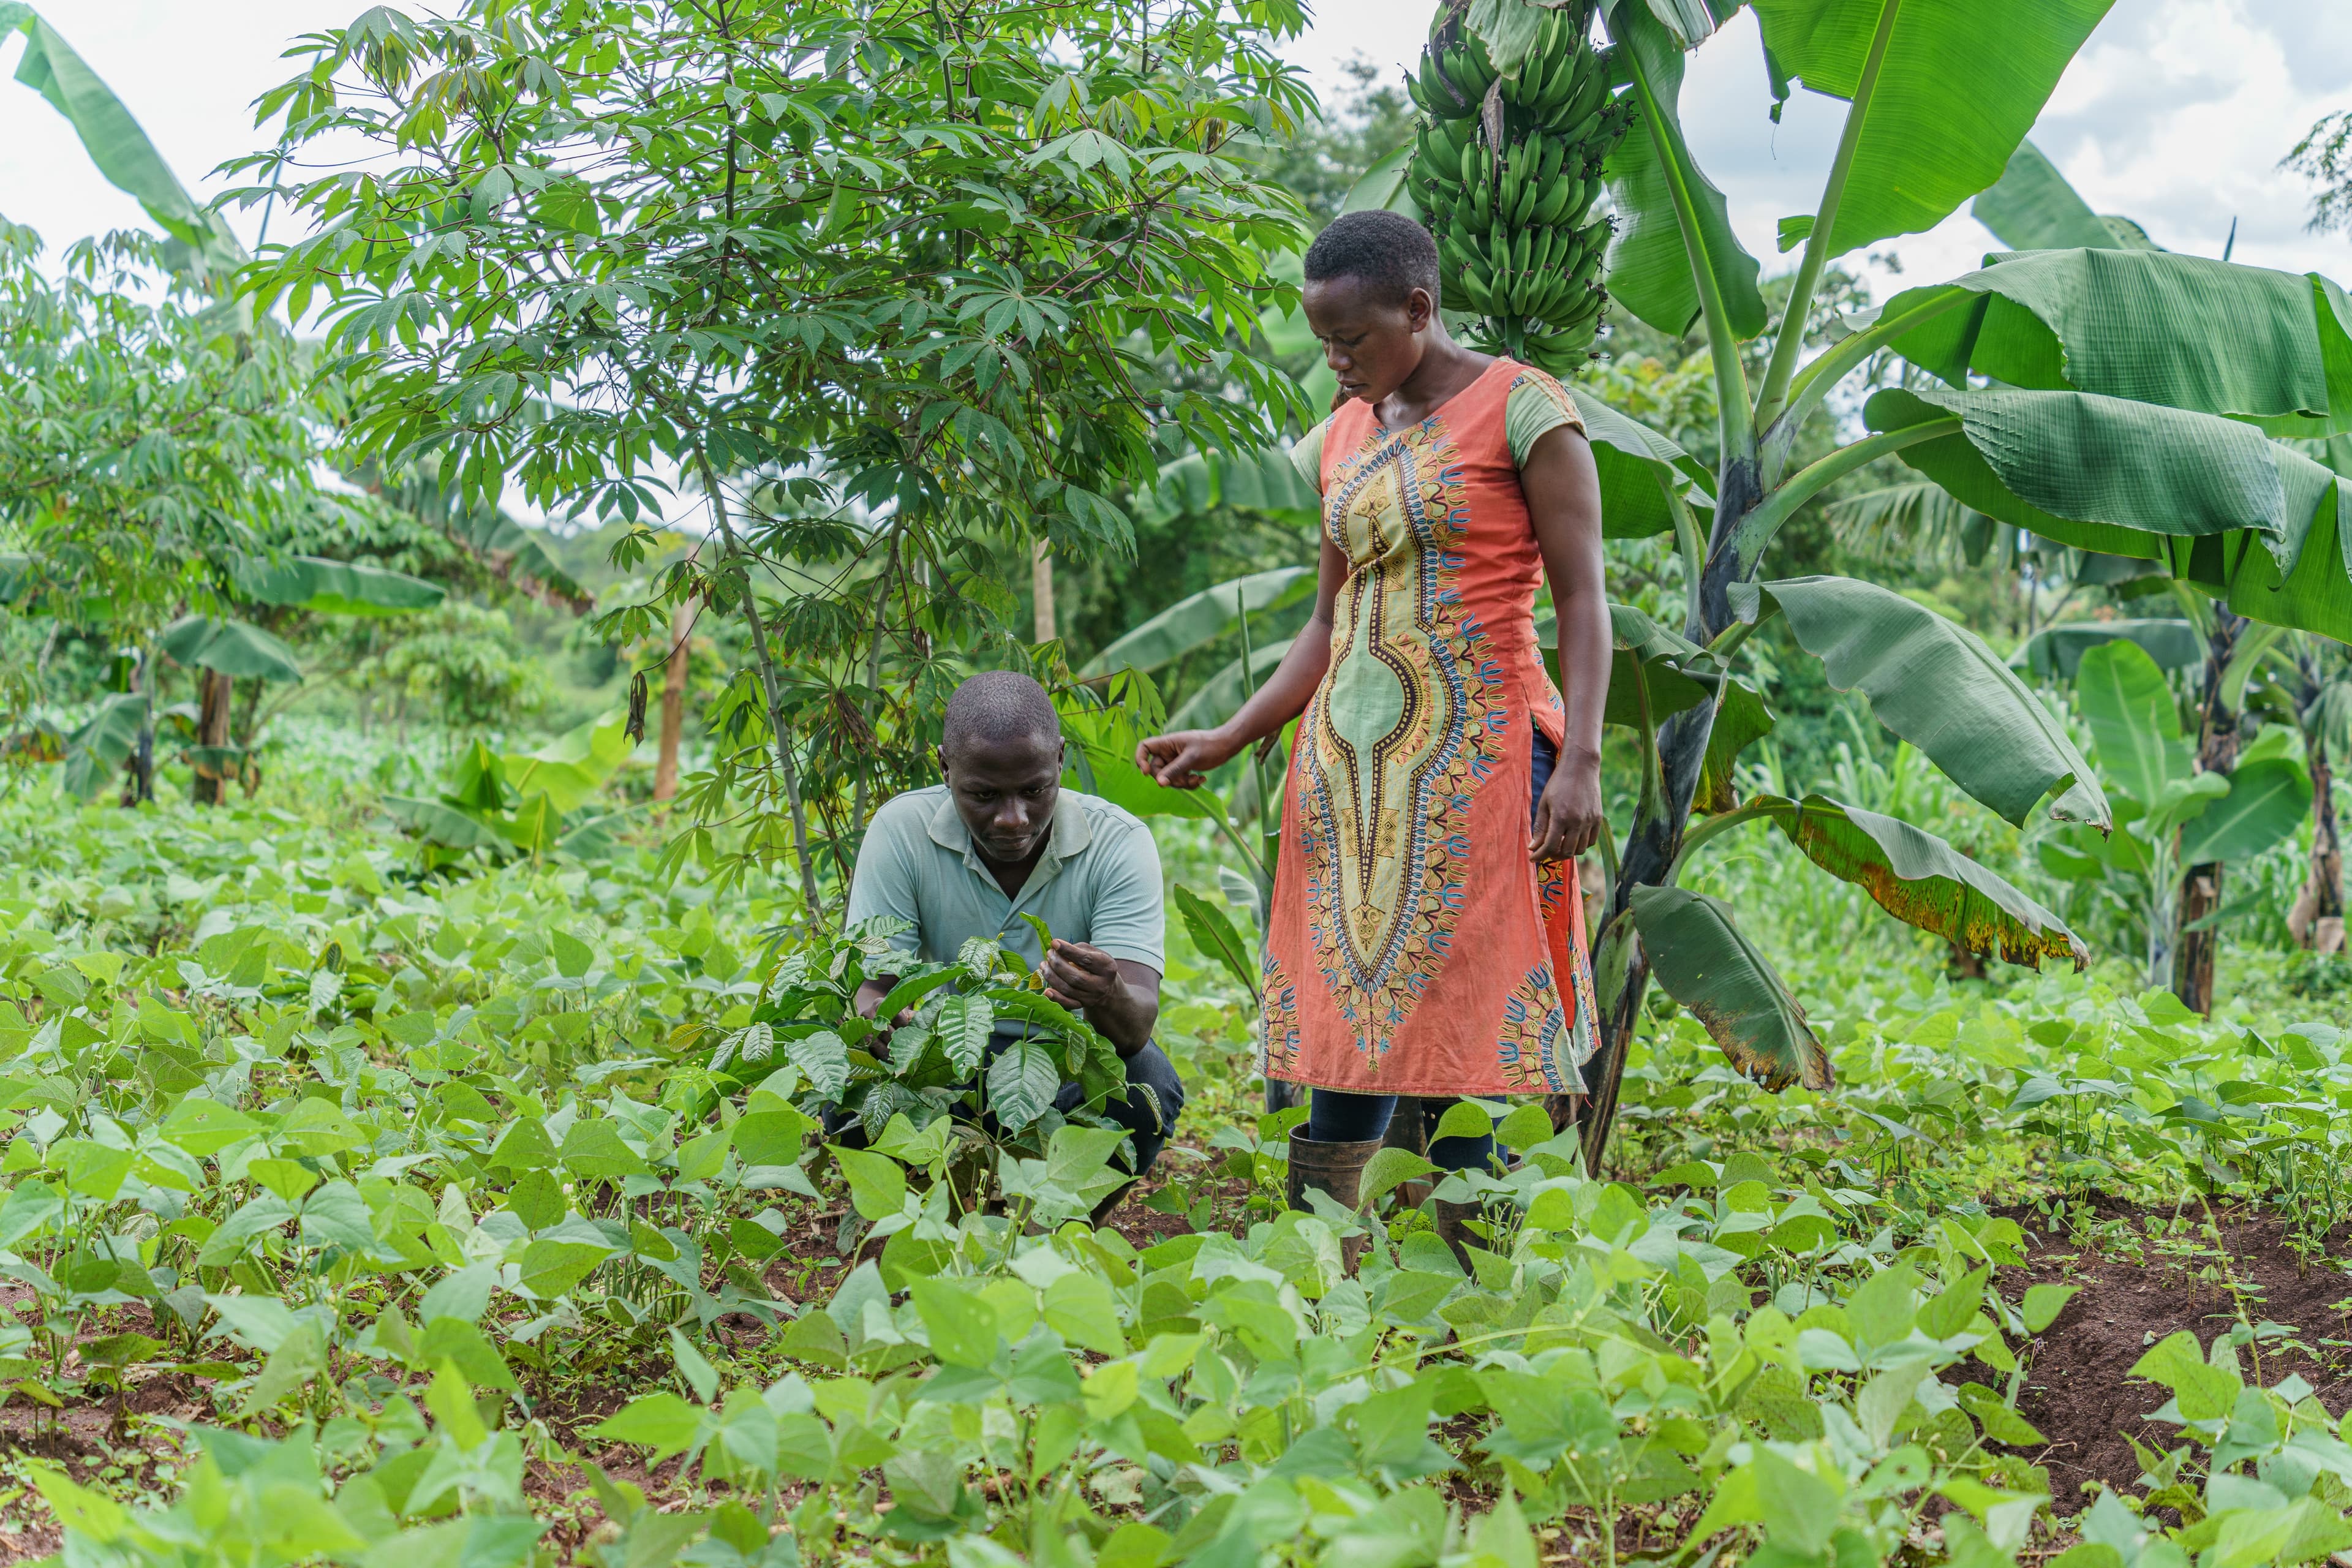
x=878, y=283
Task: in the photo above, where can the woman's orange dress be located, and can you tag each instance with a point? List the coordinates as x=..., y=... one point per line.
x=1413, y=946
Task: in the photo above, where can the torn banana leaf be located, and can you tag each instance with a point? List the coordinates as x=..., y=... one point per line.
x=1700, y=957
x=1923, y=881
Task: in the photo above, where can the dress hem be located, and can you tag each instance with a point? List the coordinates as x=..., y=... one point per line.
x=1433, y=1091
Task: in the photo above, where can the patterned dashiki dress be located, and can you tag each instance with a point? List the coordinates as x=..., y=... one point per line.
x=1416, y=949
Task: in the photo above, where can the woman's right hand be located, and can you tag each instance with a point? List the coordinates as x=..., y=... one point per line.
x=1185, y=758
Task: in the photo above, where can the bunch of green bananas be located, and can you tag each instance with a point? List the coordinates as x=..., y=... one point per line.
x=1512, y=212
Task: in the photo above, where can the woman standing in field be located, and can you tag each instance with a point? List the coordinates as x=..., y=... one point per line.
x=1426, y=938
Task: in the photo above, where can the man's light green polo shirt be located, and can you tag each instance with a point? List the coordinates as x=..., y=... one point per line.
x=1097, y=882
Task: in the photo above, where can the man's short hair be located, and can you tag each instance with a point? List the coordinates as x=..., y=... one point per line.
x=1393, y=253
x=998, y=706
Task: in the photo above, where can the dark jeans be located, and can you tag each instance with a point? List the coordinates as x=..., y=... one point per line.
x=1335, y=1116
x=1155, y=1096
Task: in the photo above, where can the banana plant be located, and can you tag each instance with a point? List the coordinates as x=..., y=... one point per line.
x=2131, y=402
x=2306, y=682
x=519, y=803
x=2170, y=813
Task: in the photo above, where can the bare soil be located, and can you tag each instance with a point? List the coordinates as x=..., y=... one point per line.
x=2078, y=1390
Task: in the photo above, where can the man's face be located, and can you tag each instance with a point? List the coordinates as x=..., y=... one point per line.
x=1006, y=791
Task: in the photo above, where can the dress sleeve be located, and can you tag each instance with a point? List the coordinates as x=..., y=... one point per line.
x=1538, y=405
x=1306, y=457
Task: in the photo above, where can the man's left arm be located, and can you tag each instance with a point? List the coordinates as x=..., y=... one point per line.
x=1115, y=976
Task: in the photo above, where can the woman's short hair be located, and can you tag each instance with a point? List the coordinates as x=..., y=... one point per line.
x=1393, y=253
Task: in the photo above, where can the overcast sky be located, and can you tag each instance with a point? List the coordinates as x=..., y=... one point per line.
x=2177, y=114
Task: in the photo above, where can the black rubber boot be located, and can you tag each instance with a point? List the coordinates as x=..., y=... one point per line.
x=1336, y=1170
x=1453, y=1229
x=1409, y=1131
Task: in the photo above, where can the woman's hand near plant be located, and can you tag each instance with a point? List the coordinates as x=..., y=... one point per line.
x=1185, y=758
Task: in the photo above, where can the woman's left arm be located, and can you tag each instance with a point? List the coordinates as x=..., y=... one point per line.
x=1563, y=492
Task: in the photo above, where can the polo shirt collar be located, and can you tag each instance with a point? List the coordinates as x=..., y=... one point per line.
x=1070, y=835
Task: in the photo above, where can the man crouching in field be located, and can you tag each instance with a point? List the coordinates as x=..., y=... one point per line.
x=1001, y=838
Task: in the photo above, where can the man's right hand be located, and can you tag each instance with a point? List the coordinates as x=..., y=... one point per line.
x=870, y=999
x=1185, y=758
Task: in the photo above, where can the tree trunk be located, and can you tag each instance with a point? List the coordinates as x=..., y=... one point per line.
x=2321, y=905
x=1041, y=585
x=139, y=768
x=214, y=690
x=673, y=717
x=2201, y=885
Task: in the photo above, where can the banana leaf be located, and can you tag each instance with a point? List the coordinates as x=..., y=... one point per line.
x=1959, y=84
x=2032, y=208
x=1383, y=186
x=1923, y=881
x=2273, y=349
x=1100, y=760
x=1221, y=695
x=2246, y=520
x=1937, y=685
x=238, y=649
x=1199, y=482
x=124, y=153
x=1653, y=262
x=1703, y=961
x=2134, y=721
x=1202, y=618
x=332, y=587
x=1638, y=467
x=2268, y=800
x=571, y=768
x=1740, y=721
x=439, y=822
x=2057, y=651
x=102, y=744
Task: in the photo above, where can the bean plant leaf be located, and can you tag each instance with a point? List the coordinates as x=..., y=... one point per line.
x=1937, y=685
x=823, y=1058
x=1022, y=1083
x=1704, y=962
x=965, y=1024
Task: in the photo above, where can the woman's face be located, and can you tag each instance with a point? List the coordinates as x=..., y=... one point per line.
x=1372, y=345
